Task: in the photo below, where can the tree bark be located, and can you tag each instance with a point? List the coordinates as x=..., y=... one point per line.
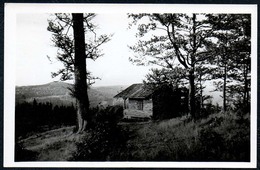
x=191, y=72
x=246, y=86
x=225, y=75
x=201, y=91
x=81, y=93
x=225, y=89
x=192, y=94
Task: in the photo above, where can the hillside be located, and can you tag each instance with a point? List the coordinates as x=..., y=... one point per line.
x=59, y=94
x=110, y=91
x=219, y=137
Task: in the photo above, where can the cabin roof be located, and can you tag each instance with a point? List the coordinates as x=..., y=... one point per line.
x=135, y=91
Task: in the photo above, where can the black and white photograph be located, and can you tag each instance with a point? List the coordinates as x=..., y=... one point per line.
x=130, y=85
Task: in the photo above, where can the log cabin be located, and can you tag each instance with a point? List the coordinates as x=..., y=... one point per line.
x=136, y=101
x=142, y=101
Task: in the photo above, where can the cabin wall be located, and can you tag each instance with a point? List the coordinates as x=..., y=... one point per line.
x=134, y=104
x=148, y=106
x=139, y=108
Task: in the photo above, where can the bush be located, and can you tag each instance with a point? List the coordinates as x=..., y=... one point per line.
x=103, y=143
x=224, y=137
x=110, y=114
x=209, y=109
x=169, y=103
x=210, y=144
x=106, y=140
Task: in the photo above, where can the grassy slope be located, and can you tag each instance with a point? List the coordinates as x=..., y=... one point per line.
x=220, y=137
x=53, y=145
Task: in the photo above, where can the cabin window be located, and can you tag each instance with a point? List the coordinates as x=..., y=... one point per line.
x=140, y=104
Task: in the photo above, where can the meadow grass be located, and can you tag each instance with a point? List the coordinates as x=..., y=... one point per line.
x=219, y=137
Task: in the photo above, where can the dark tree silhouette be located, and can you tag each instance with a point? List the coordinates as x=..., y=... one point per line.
x=80, y=86
x=73, y=50
x=175, y=77
x=175, y=36
x=233, y=49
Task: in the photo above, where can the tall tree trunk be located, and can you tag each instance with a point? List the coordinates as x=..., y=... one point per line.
x=246, y=84
x=201, y=91
x=225, y=75
x=192, y=94
x=191, y=72
x=225, y=89
x=81, y=93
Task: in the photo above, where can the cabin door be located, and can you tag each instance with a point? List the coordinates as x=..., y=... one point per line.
x=140, y=104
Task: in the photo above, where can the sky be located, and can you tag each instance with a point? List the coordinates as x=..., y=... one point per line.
x=33, y=41
x=33, y=45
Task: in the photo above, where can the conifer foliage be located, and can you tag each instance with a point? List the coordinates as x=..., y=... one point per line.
x=74, y=48
x=195, y=49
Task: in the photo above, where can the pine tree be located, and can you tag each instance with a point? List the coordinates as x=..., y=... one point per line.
x=166, y=37
x=74, y=49
x=232, y=32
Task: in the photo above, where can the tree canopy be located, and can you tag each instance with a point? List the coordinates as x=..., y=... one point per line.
x=75, y=46
x=62, y=37
x=198, y=47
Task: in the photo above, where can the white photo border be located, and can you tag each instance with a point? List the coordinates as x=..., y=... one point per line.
x=11, y=11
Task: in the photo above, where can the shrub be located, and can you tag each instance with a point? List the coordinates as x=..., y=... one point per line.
x=224, y=137
x=106, y=140
x=110, y=114
x=169, y=102
x=210, y=144
x=103, y=143
x=208, y=109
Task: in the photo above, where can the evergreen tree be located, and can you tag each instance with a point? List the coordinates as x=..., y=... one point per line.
x=163, y=38
x=74, y=49
x=233, y=49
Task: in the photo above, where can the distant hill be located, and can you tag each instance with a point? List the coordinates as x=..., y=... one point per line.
x=110, y=91
x=58, y=94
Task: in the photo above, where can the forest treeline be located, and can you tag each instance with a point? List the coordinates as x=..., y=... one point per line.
x=33, y=117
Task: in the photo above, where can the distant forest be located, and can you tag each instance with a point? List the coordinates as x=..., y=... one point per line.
x=33, y=117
